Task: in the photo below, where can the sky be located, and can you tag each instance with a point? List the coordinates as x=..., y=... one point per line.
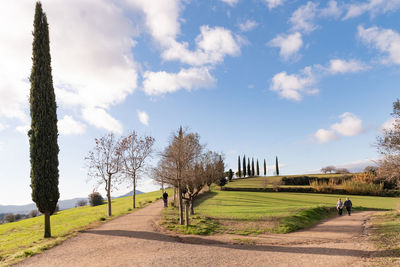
x=311, y=82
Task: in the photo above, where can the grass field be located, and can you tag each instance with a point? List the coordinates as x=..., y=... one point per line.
x=260, y=205
x=386, y=235
x=24, y=238
x=269, y=181
x=258, y=212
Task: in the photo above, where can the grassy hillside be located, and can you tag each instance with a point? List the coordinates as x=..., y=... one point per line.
x=259, y=205
x=258, y=212
x=25, y=238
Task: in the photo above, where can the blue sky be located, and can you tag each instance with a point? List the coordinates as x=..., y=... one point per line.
x=309, y=81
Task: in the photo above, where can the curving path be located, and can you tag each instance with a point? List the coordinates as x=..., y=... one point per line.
x=134, y=240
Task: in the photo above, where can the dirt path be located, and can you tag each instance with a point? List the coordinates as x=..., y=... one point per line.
x=133, y=240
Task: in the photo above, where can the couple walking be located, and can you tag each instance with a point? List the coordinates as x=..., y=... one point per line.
x=347, y=204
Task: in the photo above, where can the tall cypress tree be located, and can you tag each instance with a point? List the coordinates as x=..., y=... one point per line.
x=258, y=169
x=252, y=167
x=239, y=166
x=244, y=166
x=277, y=166
x=248, y=168
x=265, y=168
x=43, y=133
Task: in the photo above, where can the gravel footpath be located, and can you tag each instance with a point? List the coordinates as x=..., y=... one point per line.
x=135, y=240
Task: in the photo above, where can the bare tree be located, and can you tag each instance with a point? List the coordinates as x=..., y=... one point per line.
x=135, y=150
x=342, y=171
x=177, y=159
x=104, y=162
x=329, y=169
x=389, y=145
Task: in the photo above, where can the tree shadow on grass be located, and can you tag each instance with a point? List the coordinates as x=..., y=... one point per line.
x=203, y=197
x=191, y=240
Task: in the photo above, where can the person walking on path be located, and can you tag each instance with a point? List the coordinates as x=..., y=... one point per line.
x=165, y=198
x=348, y=205
x=339, y=207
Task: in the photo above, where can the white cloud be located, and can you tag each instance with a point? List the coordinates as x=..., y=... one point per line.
x=212, y=45
x=288, y=44
x=230, y=2
x=385, y=40
x=374, y=7
x=3, y=127
x=158, y=83
x=162, y=22
x=303, y=18
x=350, y=125
x=101, y=119
x=323, y=136
x=92, y=62
x=273, y=3
x=340, y=66
x=331, y=10
x=294, y=86
x=248, y=25
x=388, y=125
x=143, y=117
x=69, y=126
x=23, y=129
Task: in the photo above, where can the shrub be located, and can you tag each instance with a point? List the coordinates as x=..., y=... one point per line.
x=365, y=177
x=33, y=213
x=95, y=199
x=81, y=203
x=298, y=180
x=9, y=218
x=359, y=188
x=323, y=186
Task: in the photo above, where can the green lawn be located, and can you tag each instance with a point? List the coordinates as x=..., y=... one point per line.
x=260, y=205
x=25, y=237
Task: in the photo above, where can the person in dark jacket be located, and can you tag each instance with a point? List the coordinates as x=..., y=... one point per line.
x=165, y=198
x=347, y=204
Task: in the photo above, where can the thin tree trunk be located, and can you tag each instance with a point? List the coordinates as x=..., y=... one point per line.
x=187, y=213
x=47, y=229
x=175, y=196
x=134, y=192
x=109, y=195
x=180, y=203
x=191, y=207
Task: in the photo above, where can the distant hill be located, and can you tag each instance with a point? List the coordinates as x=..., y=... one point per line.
x=25, y=209
x=63, y=204
x=129, y=194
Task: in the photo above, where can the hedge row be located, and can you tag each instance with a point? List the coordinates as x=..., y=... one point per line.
x=305, y=180
x=384, y=193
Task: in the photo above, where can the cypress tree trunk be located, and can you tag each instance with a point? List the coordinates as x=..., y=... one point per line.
x=244, y=166
x=276, y=166
x=248, y=168
x=43, y=133
x=258, y=169
x=265, y=168
x=252, y=167
x=47, y=228
x=239, y=170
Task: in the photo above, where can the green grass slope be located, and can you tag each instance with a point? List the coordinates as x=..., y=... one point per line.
x=25, y=238
x=258, y=212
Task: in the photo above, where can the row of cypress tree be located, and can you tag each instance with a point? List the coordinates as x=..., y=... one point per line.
x=249, y=170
